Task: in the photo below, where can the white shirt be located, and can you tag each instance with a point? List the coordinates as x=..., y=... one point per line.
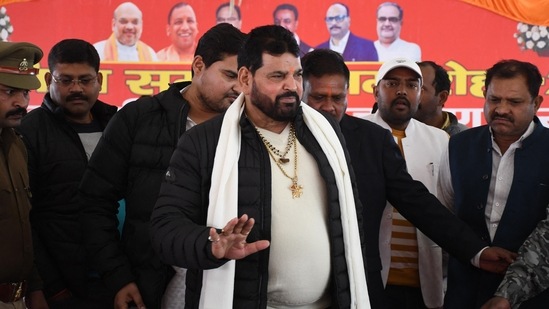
x=503, y=167
x=89, y=141
x=340, y=48
x=296, y=37
x=399, y=48
x=298, y=278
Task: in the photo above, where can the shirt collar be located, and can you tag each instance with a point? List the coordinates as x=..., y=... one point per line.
x=342, y=43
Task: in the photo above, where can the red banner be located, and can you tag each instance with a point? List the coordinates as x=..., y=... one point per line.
x=464, y=38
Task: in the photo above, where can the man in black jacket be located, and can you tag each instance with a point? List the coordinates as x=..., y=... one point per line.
x=381, y=175
x=259, y=204
x=131, y=158
x=60, y=137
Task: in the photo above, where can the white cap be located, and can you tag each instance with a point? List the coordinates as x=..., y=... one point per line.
x=397, y=63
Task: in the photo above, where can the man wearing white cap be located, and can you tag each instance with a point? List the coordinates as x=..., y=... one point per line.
x=412, y=263
x=18, y=276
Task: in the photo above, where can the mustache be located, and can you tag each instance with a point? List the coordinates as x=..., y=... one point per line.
x=76, y=96
x=335, y=27
x=17, y=111
x=401, y=100
x=496, y=115
x=290, y=94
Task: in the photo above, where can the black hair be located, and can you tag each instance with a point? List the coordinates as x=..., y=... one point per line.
x=320, y=62
x=73, y=51
x=174, y=7
x=286, y=6
x=511, y=68
x=220, y=41
x=441, y=81
x=271, y=39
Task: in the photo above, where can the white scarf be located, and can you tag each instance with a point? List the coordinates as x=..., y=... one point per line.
x=218, y=284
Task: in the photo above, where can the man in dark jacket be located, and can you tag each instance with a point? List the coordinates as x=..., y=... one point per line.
x=495, y=177
x=131, y=158
x=381, y=174
x=60, y=137
x=270, y=173
x=18, y=274
x=350, y=46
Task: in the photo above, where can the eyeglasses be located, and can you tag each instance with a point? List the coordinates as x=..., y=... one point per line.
x=337, y=19
x=383, y=19
x=67, y=82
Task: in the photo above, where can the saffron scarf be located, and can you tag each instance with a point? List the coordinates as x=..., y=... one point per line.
x=111, y=51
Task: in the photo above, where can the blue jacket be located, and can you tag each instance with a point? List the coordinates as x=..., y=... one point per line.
x=470, y=156
x=357, y=49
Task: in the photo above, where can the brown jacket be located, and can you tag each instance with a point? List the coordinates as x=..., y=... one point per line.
x=16, y=257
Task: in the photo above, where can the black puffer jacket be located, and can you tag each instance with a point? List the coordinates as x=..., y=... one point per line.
x=128, y=163
x=179, y=233
x=57, y=161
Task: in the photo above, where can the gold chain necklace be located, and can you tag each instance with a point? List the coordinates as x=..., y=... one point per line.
x=282, y=156
x=297, y=190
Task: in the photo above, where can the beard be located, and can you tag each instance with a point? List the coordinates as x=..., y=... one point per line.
x=216, y=105
x=275, y=110
x=391, y=115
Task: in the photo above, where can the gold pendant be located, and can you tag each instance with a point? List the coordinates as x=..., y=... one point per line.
x=297, y=190
x=283, y=160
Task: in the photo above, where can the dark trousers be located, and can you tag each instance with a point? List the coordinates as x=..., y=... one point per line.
x=376, y=291
x=98, y=297
x=403, y=297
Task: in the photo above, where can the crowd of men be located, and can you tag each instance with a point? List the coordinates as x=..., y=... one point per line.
x=250, y=187
x=125, y=44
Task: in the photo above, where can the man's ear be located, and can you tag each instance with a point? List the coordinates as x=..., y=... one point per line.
x=443, y=97
x=537, y=102
x=245, y=80
x=48, y=79
x=100, y=78
x=198, y=65
x=376, y=91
